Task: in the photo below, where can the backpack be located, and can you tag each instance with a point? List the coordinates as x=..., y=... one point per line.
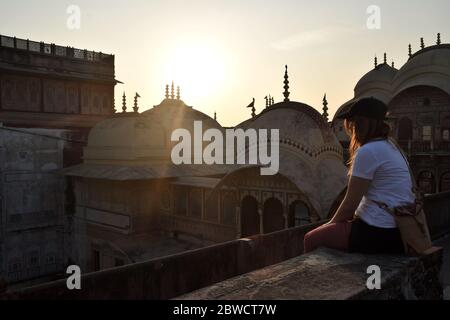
x=410, y=218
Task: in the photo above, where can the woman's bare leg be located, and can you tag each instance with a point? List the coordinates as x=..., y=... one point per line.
x=332, y=235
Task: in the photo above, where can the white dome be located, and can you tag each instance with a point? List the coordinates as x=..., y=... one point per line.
x=429, y=67
x=376, y=83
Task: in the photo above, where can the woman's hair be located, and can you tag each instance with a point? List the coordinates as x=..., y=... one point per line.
x=361, y=130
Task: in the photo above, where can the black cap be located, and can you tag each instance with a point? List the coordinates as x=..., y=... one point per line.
x=366, y=107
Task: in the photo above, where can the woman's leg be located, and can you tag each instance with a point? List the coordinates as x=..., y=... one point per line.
x=333, y=235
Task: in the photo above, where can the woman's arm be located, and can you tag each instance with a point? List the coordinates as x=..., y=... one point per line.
x=357, y=188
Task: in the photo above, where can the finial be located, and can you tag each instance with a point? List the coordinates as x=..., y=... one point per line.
x=215, y=116
x=385, y=58
x=422, y=44
x=252, y=105
x=267, y=101
x=376, y=61
x=167, y=91
x=270, y=100
x=286, y=85
x=172, y=92
x=409, y=51
x=253, y=108
x=136, y=108
x=272, y=103
x=325, y=107
x=178, y=92
x=393, y=64
x=124, y=103
x=438, y=42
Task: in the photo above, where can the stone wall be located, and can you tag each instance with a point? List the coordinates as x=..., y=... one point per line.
x=31, y=211
x=171, y=276
x=334, y=275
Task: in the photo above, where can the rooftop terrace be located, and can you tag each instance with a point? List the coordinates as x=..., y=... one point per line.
x=269, y=266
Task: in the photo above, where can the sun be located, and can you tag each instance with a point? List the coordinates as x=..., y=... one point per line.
x=198, y=69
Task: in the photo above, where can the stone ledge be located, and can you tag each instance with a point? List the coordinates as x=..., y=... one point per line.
x=333, y=275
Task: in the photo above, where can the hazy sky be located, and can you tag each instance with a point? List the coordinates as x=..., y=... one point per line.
x=223, y=53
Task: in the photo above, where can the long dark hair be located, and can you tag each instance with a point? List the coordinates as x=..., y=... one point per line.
x=361, y=130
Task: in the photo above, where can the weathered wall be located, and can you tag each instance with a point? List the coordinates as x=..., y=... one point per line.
x=31, y=211
x=333, y=275
x=268, y=267
x=171, y=276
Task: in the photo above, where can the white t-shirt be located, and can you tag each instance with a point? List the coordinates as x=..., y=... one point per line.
x=381, y=162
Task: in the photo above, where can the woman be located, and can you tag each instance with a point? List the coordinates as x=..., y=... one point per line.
x=378, y=173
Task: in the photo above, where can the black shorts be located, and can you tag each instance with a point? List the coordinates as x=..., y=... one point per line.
x=365, y=238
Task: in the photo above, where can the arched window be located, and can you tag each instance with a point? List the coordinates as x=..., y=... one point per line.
x=427, y=133
x=298, y=214
x=273, y=219
x=229, y=209
x=196, y=203
x=405, y=129
x=211, y=206
x=180, y=200
x=446, y=134
x=446, y=128
x=445, y=182
x=250, y=221
x=426, y=182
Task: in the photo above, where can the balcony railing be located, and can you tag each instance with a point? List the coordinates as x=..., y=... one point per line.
x=425, y=146
x=52, y=49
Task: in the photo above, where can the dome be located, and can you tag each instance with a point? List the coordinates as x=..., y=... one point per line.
x=376, y=83
x=126, y=131
x=301, y=127
x=429, y=67
x=145, y=137
x=342, y=109
x=310, y=154
x=125, y=136
x=174, y=113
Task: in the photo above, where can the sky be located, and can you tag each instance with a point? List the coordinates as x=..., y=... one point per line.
x=224, y=53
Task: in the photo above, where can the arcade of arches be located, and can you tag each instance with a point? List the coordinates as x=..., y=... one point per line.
x=428, y=183
x=248, y=205
x=420, y=119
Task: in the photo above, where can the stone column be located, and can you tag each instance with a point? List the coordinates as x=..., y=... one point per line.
x=238, y=222
x=286, y=216
x=437, y=177
x=261, y=217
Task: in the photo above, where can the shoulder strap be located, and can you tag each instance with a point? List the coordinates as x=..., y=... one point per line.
x=415, y=189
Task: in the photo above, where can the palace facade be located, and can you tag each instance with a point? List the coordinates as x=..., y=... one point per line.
x=418, y=98
x=131, y=203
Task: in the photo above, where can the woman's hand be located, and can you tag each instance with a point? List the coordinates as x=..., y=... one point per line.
x=357, y=188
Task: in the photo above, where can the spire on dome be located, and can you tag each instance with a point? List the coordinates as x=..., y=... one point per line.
x=167, y=91
x=286, y=92
x=136, y=108
x=409, y=51
x=325, y=108
x=124, y=103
